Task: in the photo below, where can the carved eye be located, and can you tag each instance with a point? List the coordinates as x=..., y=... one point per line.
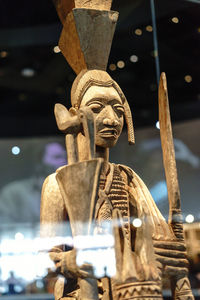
x=95, y=106
x=119, y=109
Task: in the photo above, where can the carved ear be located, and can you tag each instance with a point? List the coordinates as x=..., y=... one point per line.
x=73, y=111
x=61, y=114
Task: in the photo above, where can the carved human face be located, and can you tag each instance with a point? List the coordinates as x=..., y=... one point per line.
x=108, y=111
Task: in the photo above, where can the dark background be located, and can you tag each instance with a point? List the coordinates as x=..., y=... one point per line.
x=29, y=30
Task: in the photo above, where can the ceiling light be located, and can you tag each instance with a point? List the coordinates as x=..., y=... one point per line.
x=138, y=31
x=15, y=150
x=112, y=67
x=188, y=78
x=121, y=64
x=133, y=58
x=3, y=54
x=175, y=20
x=149, y=28
x=56, y=49
x=28, y=72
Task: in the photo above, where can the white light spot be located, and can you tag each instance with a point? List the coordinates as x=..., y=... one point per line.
x=56, y=49
x=15, y=150
x=189, y=219
x=158, y=125
x=18, y=288
x=19, y=236
x=175, y=20
x=28, y=72
x=39, y=284
x=133, y=58
x=121, y=64
x=137, y=222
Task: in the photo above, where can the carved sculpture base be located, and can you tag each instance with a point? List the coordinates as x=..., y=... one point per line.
x=138, y=290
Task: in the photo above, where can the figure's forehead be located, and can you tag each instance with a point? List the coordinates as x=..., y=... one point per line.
x=100, y=92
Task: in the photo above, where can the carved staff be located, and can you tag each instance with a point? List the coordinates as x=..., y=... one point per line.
x=180, y=285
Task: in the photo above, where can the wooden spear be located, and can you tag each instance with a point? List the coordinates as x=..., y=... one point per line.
x=180, y=285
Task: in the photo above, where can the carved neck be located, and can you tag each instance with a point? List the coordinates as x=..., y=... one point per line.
x=100, y=152
x=103, y=153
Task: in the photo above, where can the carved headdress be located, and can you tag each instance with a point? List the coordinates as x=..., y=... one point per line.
x=85, y=42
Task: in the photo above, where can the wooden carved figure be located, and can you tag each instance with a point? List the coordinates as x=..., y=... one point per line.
x=91, y=191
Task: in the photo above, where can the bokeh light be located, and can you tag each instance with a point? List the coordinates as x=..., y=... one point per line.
x=15, y=150
x=121, y=64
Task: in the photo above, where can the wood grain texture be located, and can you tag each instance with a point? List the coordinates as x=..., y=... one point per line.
x=64, y=7
x=80, y=198
x=86, y=38
x=180, y=284
x=91, y=190
x=168, y=146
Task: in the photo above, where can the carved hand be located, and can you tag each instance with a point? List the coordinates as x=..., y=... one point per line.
x=66, y=264
x=171, y=257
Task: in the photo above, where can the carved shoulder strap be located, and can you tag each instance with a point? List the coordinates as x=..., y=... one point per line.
x=103, y=194
x=128, y=171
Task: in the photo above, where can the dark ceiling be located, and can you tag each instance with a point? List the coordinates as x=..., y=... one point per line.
x=29, y=30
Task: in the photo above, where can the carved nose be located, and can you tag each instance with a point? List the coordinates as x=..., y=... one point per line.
x=110, y=122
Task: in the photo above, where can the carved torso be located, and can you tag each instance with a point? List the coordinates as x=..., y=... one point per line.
x=117, y=194
x=120, y=188
x=113, y=194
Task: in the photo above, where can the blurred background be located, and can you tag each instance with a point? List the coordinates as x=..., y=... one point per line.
x=34, y=76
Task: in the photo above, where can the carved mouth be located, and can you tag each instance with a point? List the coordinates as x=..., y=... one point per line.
x=109, y=133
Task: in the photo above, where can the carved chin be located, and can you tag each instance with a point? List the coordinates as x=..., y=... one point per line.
x=106, y=142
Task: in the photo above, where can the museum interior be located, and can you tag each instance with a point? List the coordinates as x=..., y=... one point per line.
x=151, y=36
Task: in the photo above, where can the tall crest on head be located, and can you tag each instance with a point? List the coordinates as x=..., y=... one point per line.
x=86, y=38
x=88, y=29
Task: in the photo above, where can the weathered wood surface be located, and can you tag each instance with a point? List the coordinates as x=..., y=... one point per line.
x=64, y=7
x=78, y=184
x=179, y=283
x=86, y=38
x=91, y=189
x=168, y=146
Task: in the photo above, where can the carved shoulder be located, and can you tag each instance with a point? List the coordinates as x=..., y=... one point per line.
x=128, y=171
x=52, y=209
